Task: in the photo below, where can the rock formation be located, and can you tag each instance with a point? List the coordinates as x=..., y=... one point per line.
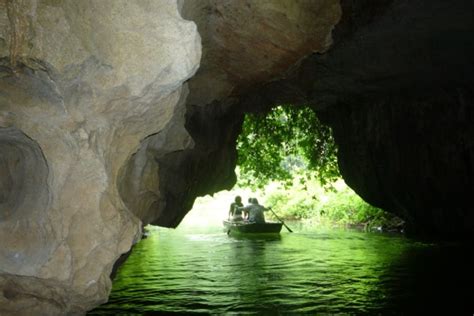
x=82, y=84
x=402, y=111
x=104, y=127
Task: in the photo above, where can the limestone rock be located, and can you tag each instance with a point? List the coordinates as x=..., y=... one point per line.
x=402, y=110
x=82, y=83
x=249, y=42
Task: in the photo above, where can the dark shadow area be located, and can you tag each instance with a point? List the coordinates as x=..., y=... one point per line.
x=435, y=279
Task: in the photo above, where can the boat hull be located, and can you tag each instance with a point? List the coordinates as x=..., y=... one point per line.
x=252, y=228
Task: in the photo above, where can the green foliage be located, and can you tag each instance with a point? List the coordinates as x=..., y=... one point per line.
x=279, y=144
x=292, y=207
x=290, y=151
x=346, y=207
x=341, y=206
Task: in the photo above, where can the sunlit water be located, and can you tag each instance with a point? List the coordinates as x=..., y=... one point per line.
x=310, y=271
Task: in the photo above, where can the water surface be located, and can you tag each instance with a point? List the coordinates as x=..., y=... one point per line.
x=311, y=271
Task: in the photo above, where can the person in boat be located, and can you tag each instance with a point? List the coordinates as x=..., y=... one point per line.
x=255, y=211
x=235, y=212
x=245, y=212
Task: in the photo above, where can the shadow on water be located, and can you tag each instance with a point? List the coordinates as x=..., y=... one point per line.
x=311, y=271
x=431, y=279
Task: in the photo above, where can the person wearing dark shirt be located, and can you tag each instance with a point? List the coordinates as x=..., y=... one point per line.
x=235, y=212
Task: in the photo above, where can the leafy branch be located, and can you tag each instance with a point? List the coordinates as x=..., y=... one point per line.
x=286, y=141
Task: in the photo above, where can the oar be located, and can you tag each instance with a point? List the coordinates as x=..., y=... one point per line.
x=280, y=220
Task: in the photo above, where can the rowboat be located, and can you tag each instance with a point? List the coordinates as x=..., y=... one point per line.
x=252, y=228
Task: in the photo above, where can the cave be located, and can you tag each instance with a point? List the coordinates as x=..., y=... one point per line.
x=117, y=114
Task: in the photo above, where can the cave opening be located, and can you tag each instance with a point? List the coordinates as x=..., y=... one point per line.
x=197, y=267
x=287, y=159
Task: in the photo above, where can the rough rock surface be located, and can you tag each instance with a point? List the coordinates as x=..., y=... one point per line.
x=82, y=83
x=403, y=111
x=250, y=42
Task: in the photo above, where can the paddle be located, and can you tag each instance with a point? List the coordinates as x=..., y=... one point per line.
x=280, y=220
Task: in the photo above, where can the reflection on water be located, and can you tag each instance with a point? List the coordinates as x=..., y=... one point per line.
x=311, y=271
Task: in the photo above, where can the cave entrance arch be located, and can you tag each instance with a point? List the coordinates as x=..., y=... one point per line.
x=287, y=157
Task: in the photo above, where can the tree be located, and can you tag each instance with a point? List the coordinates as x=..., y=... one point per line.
x=285, y=141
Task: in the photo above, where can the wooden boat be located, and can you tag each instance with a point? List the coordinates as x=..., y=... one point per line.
x=252, y=228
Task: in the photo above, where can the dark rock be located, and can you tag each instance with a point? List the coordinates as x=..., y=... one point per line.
x=398, y=94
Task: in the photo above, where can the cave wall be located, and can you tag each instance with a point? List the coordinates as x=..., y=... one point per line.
x=247, y=42
x=171, y=168
x=412, y=156
x=82, y=83
x=397, y=90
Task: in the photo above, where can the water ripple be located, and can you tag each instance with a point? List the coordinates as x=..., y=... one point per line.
x=304, y=273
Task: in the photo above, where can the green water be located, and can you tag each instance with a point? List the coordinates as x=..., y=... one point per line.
x=311, y=271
